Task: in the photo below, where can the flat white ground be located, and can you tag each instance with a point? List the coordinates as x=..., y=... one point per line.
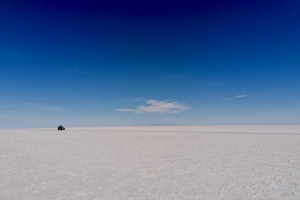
x=222, y=162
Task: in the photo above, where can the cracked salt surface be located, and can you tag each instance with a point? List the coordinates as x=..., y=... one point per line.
x=253, y=162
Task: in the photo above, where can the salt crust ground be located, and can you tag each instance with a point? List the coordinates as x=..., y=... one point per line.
x=222, y=162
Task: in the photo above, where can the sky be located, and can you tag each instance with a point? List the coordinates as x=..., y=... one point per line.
x=140, y=63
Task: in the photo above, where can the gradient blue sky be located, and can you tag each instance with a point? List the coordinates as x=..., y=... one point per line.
x=111, y=63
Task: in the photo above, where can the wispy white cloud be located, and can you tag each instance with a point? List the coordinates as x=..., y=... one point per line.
x=236, y=97
x=162, y=107
x=158, y=107
x=125, y=110
x=241, y=96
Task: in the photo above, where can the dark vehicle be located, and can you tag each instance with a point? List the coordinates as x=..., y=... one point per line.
x=60, y=127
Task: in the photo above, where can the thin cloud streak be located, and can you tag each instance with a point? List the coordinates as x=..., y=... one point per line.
x=139, y=99
x=241, y=96
x=236, y=97
x=125, y=110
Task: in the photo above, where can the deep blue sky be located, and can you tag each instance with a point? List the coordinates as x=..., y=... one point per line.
x=82, y=63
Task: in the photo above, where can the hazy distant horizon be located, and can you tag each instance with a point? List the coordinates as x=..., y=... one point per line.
x=149, y=125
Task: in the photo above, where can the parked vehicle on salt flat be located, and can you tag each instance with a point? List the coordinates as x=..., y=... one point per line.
x=60, y=128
